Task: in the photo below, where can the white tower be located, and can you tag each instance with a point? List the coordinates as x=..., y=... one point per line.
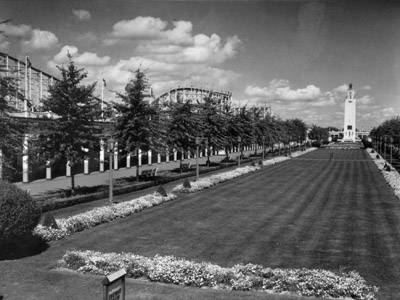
x=349, y=129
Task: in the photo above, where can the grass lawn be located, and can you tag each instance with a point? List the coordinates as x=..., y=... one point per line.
x=305, y=212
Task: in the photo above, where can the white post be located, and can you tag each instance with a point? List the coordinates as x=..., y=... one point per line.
x=102, y=151
x=159, y=158
x=86, y=166
x=128, y=160
x=25, y=163
x=167, y=156
x=175, y=155
x=140, y=158
x=48, y=170
x=68, y=173
x=116, y=156
x=149, y=155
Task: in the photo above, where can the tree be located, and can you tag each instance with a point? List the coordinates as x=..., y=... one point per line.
x=137, y=125
x=318, y=133
x=183, y=125
x=72, y=133
x=212, y=124
x=11, y=138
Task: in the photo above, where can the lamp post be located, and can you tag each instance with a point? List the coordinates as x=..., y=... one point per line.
x=384, y=147
x=391, y=149
x=239, y=141
x=198, y=141
x=110, y=149
x=263, y=141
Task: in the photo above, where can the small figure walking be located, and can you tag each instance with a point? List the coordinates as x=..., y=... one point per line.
x=331, y=156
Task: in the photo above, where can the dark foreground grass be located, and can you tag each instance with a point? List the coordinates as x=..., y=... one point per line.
x=307, y=212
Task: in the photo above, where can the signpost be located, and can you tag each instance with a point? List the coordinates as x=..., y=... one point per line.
x=114, y=286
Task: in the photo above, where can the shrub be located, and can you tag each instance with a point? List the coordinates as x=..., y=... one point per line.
x=19, y=213
x=325, y=142
x=316, y=144
x=367, y=144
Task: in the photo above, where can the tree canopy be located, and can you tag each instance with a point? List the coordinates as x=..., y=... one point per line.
x=72, y=132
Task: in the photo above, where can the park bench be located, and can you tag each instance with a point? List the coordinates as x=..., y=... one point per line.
x=151, y=173
x=146, y=174
x=154, y=172
x=185, y=167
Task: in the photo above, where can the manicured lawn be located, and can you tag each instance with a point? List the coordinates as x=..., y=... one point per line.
x=306, y=212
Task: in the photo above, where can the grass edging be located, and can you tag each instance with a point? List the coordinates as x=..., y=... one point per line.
x=99, y=215
x=392, y=177
x=168, y=269
x=58, y=203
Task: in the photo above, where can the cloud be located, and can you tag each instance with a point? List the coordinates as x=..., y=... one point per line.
x=139, y=28
x=165, y=76
x=341, y=89
x=31, y=39
x=18, y=31
x=41, y=40
x=157, y=42
x=279, y=89
x=84, y=59
x=81, y=14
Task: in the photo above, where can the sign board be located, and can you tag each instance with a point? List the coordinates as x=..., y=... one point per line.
x=114, y=286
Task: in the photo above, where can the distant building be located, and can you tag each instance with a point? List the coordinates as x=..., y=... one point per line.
x=194, y=94
x=349, y=128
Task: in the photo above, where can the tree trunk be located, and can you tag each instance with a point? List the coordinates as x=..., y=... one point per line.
x=137, y=166
x=73, y=180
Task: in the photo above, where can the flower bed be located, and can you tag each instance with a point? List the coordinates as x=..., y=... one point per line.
x=392, y=177
x=96, y=216
x=168, y=269
x=207, y=182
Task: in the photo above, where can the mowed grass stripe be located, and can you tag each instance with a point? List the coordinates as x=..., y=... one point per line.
x=380, y=257
x=287, y=250
x=300, y=243
x=283, y=221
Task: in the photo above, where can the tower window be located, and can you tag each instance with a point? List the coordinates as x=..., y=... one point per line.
x=349, y=127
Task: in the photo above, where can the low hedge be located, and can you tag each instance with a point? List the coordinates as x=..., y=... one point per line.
x=50, y=202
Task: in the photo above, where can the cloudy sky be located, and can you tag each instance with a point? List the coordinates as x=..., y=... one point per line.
x=296, y=56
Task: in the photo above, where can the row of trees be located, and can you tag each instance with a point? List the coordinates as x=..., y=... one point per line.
x=389, y=130
x=139, y=124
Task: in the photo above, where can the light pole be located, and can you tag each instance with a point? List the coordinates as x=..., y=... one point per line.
x=198, y=141
x=110, y=149
x=263, y=141
x=384, y=147
x=239, y=141
x=391, y=149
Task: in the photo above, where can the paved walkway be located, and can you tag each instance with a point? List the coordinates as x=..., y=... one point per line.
x=101, y=178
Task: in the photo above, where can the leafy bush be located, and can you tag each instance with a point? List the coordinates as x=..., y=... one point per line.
x=325, y=142
x=316, y=144
x=367, y=144
x=19, y=213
